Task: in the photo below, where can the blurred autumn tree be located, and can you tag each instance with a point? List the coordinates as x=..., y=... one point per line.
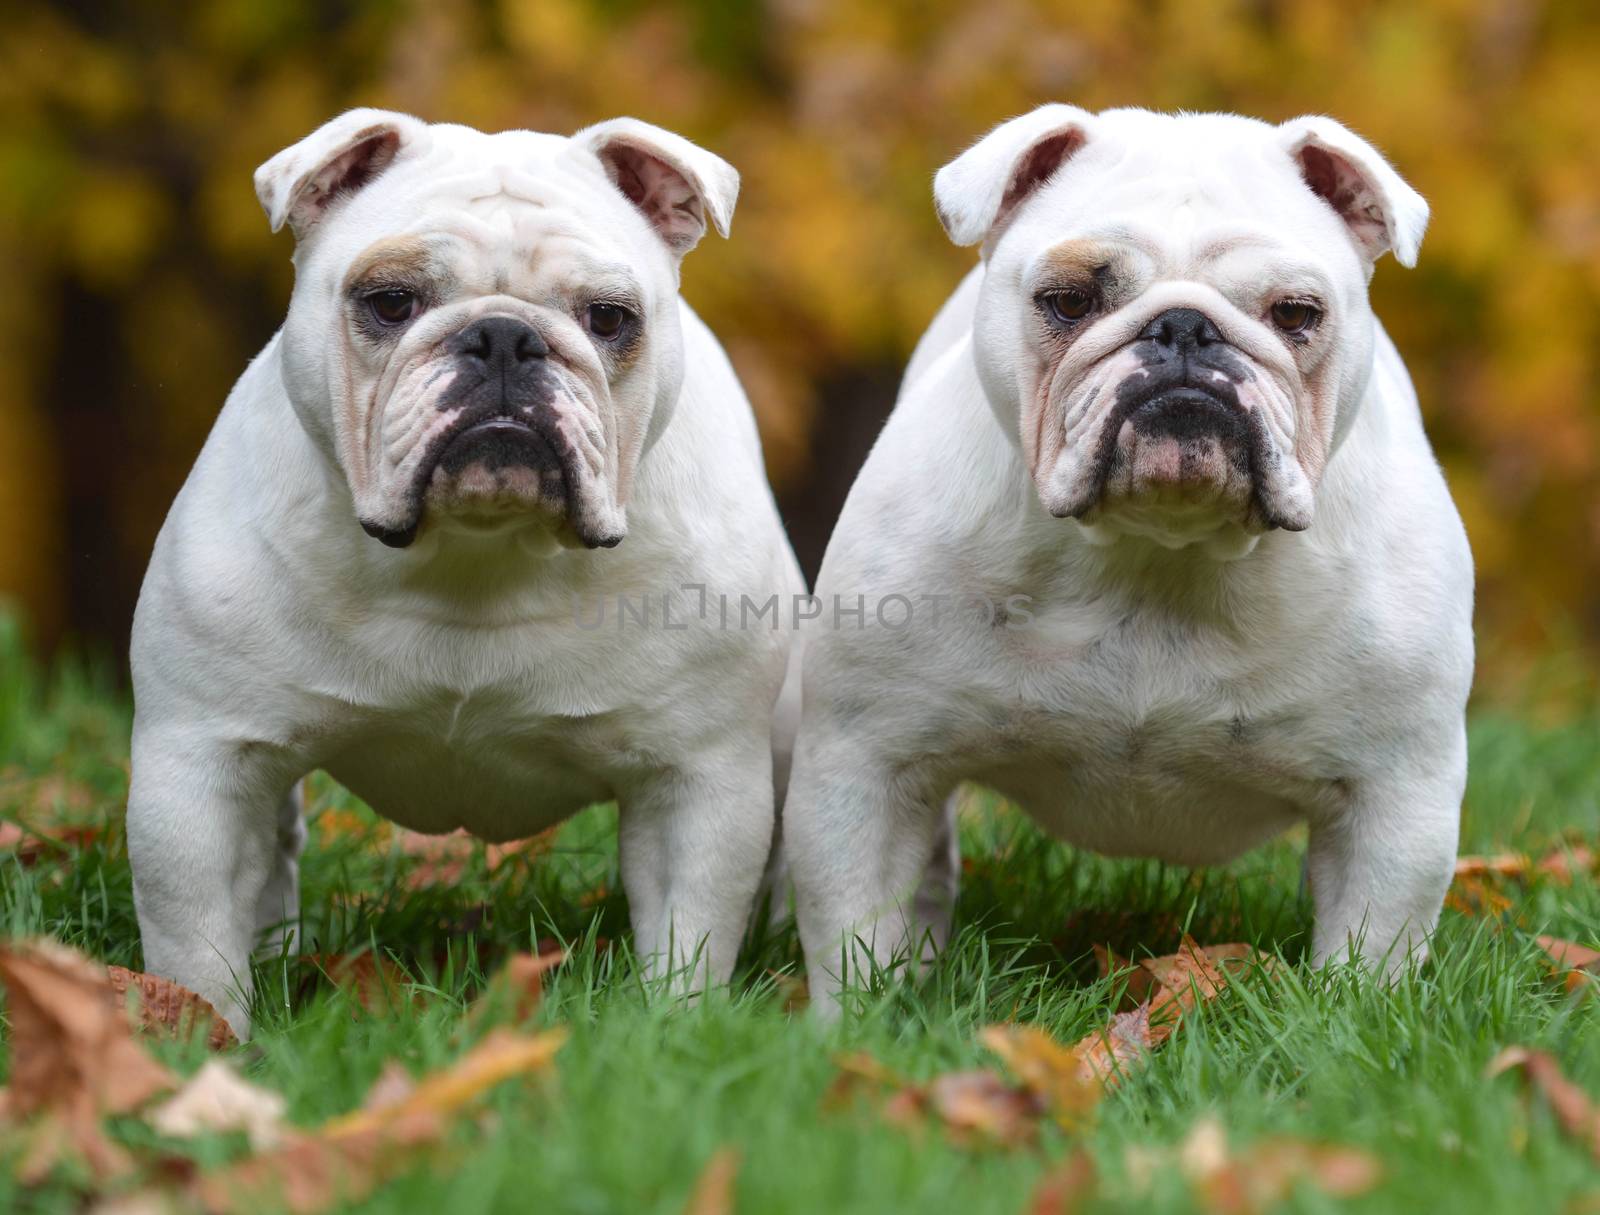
x=140, y=275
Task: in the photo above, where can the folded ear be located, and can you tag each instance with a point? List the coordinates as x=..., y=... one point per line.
x=675, y=184
x=302, y=182
x=977, y=191
x=1382, y=212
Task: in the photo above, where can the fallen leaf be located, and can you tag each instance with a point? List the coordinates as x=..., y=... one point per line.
x=1561, y=863
x=43, y=799
x=1474, y=896
x=792, y=991
x=499, y=1056
x=1573, y=1108
x=971, y=1105
x=30, y=845
x=1260, y=1178
x=310, y=1174
x=440, y=860
x=519, y=984
x=1576, y=965
x=163, y=1006
x=138, y=1202
x=1182, y=980
x=1108, y=961
x=378, y=984
x=1566, y=862
x=1504, y=864
x=216, y=1099
x=393, y=1086
x=345, y=1159
x=857, y=1069
x=1056, y=1075
x=523, y=851
x=73, y=1056
x=1116, y=1050
x=1066, y=1187
x=981, y=1105
x=713, y=1189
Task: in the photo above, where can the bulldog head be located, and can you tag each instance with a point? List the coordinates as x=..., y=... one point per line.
x=1174, y=318
x=484, y=329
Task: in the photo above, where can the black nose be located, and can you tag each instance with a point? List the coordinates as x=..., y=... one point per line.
x=500, y=341
x=1182, y=329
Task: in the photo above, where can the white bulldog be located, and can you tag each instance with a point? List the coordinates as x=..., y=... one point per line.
x=421, y=545
x=1200, y=576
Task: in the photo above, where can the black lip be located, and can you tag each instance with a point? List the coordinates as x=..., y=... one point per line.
x=1171, y=404
x=499, y=441
x=1190, y=413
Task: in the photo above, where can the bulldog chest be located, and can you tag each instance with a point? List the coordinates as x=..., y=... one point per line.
x=1135, y=749
x=484, y=761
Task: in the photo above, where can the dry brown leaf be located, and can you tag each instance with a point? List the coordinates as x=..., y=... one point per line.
x=523, y=851
x=1565, y=863
x=73, y=1056
x=499, y=1056
x=713, y=1189
x=971, y=1105
x=1113, y=1052
x=1562, y=863
x=378, y=984
x=1573, y=1108
x=1260, y=1178
x=43, y=799
x=980, y=1105
x=857, y=1070
x=163, y=1006
x=1473, y=896
x=310, y=1174
x=1167, y=988
x=1504, y=864
x=1182, y=980
x=30, y=845
x=346, y=1158
x=1108, y=961
x=791, y=989
x=1577, y=966
x=519, y=984
x=442, y=859
x=216, y=1099
x=393, y=1087
x=1065, y=1187
x=1056, y=1075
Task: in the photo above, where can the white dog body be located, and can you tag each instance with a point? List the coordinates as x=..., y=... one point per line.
x=1170, y=671
x=477, y=669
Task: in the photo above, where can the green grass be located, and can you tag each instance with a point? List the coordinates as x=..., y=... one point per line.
x=646, y=1088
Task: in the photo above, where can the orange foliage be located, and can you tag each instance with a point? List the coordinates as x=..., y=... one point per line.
x=141, y=275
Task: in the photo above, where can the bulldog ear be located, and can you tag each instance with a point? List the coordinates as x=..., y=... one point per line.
x=675, y=184
x=303, y=181
x=1383, y=213
x=977, y=191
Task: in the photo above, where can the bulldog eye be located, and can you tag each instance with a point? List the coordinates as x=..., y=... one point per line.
x=1069, y=306
x=606, y=320
x=392, y=306
x=1295, y=316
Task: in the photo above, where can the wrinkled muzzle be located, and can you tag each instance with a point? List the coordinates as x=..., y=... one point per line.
x=490, y=429
x=1178, y=420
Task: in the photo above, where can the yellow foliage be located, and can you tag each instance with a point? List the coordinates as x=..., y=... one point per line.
x=127, y=144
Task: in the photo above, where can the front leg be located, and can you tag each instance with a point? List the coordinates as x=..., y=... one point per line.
x=693, y=844
x=861, y=836
x=1381, y=862
x=204, y=826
